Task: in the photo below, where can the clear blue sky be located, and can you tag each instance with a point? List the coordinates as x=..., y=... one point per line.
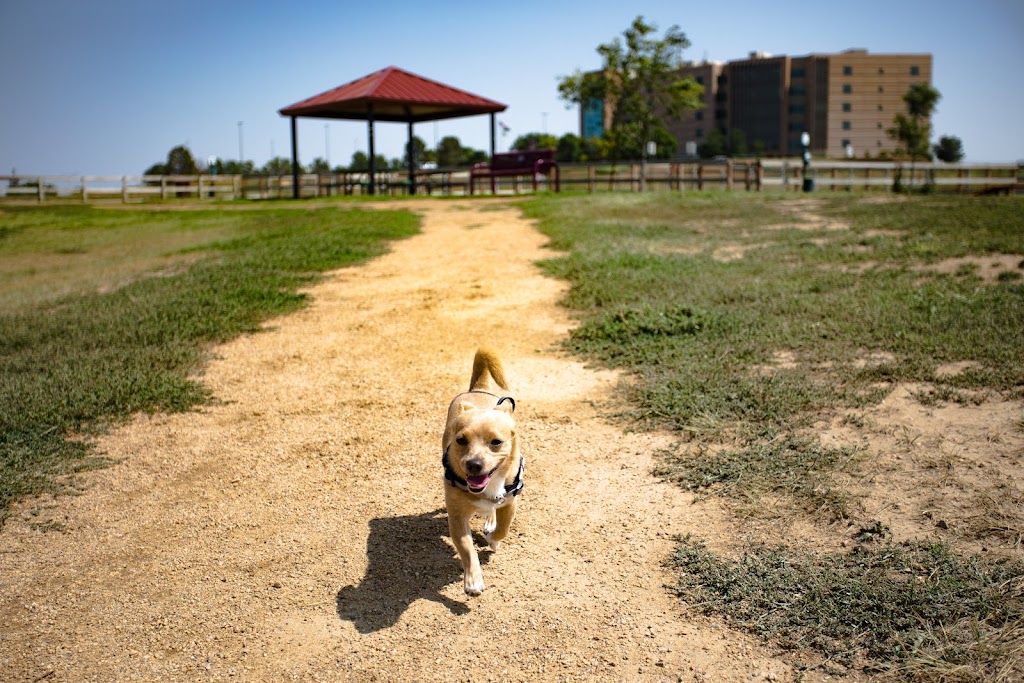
x=109, y=86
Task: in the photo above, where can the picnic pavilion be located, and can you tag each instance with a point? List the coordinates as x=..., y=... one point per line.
x=392, y=95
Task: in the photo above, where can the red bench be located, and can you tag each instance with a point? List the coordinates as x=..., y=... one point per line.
x=531, y=162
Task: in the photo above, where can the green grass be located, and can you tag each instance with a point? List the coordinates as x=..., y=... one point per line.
x=69, y=364
x=740, y=323
x=693, y=330
x=913, y=609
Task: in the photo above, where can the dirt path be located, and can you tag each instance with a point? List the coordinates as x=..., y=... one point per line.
x=296, y=531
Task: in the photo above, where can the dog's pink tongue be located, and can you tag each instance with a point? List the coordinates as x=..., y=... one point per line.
x=478, y=482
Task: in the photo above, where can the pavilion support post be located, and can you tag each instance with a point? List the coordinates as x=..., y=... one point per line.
x=412, y=164
x=295, y=159
x=492, y=136
x=369, y=130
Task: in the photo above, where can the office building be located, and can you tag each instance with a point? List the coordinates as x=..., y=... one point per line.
x=845, y=101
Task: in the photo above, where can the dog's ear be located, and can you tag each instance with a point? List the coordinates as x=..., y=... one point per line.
x=463, y=407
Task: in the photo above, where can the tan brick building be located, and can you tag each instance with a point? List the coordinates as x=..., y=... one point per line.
x=845, y=101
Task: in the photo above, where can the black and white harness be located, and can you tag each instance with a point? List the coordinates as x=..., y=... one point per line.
x=511, y=489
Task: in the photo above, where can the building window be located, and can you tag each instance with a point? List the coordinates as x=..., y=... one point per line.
x=881, y=89
x=699, y=115
x=881, y=71
x=846, y=125
x=797, y=91
x=700, y=132
x=845, y=144
x=797, y=72
x=847, y=70
x=881, y=108
x=847, y=106
x=847, y=88
x=915, y=71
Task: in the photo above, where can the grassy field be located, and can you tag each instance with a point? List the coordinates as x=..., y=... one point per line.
x=742, y=321
x=106, y=312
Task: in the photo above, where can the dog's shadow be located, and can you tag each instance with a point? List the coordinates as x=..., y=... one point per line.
x=408, y=561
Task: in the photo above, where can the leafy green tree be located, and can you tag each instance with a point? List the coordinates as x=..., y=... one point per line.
x=737, y=142
x=156, y=169
x=569, y=148
x=714, y=144
x=535, y=141
x=319, y=165
x=360, y=162
x=419, y=153
x=181, y=162
x=472, y=156
x=913, y=129
x=949, y=149
x=449, y=152
x=278, y=166
x=640, y=80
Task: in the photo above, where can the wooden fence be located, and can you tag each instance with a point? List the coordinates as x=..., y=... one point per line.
x=750, y=175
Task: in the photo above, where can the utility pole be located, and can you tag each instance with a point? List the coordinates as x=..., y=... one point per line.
x=241, y=157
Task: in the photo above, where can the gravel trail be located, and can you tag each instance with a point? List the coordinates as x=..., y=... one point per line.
x=295, y=530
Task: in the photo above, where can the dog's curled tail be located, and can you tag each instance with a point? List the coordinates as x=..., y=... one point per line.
x=487, y=367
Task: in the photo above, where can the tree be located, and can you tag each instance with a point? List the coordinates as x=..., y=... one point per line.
x=419, y=153
x=278, y=166
x=714, y=144
x=641, y=82
x=449, y=152
x=319, y=165
x=949, y=149
x=180, y=162
x=737, y=142
x=472, y=156
x=913, y=129
x=569, y=148
x=360, y=162
x=535, y=141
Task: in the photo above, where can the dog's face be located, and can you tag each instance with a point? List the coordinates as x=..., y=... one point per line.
x=482, y=442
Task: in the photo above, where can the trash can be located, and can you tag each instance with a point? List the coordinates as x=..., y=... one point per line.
x=808, y=184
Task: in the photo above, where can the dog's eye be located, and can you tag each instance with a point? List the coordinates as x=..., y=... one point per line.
x=496, y=442
x=462, y=441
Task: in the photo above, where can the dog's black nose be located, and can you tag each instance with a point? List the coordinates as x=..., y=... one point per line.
x=474, y=466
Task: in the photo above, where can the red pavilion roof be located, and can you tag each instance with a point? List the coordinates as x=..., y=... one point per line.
x=395, y=95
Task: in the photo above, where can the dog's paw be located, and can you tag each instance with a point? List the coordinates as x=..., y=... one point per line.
x=491, y=543
x=490, y=525
x=474, y=586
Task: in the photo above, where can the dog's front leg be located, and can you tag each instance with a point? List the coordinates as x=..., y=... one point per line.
x=500, y=523
x=462, y=537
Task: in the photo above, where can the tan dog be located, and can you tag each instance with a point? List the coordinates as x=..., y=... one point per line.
x=483, y=468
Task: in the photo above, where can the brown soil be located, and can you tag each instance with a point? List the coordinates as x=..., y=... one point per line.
x=296, y=530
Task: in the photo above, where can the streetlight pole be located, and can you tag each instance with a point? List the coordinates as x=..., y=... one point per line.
x=241, y=157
